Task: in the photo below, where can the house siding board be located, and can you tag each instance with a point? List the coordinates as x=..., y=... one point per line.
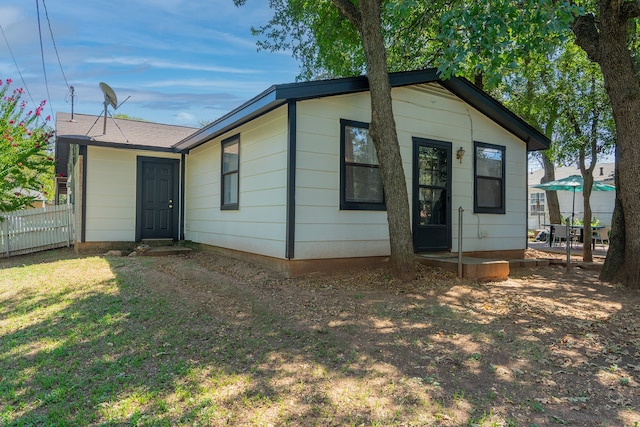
x=427, y=111
x=111, y=199
x=508, y=230
x=310, y=214
x=258, y=225
x=344, y=249
x=322, y=229
x=248, y=244
x=341, y=232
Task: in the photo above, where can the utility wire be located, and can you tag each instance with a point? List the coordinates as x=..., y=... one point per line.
x=24, y=83
x=44, y=68
x=46, y=12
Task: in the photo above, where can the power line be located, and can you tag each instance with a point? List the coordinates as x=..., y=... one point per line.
x=24, y=83
x=44, y=68
x=46, y=12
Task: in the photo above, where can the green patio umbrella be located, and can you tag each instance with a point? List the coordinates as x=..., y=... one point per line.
x=573, y=183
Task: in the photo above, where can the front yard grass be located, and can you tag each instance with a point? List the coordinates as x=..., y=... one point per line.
x=207, y=340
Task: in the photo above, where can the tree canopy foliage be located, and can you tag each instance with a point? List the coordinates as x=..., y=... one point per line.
x=495, y=44
x=25, y=156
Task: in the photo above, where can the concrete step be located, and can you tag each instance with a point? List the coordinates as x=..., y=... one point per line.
x=472, y=268
x=165, y=250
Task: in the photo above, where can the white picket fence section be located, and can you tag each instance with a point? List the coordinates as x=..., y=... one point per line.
x=33, y=230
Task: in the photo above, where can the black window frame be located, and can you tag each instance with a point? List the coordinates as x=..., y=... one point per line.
x=484, y=209
x=235, y=139
x=344, y=203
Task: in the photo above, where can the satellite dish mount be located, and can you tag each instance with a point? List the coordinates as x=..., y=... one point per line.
x=109, y=99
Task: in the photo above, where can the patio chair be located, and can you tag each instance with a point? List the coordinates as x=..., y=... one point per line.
x=601, y=235
x=560, y=234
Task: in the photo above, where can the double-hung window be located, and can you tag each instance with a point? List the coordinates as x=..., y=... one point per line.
x=489, y=185
x=537, y=204
x=230, y=173
x=360, y=179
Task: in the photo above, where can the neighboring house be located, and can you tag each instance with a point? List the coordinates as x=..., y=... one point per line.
x=39, y=198
x=602, y=202
x=291, y=176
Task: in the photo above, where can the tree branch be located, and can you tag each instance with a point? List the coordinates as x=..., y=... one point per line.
x=349, y=11
x=630, y=10
x=587, y=36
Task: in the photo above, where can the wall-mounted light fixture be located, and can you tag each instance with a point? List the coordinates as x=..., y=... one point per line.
x=459, y=154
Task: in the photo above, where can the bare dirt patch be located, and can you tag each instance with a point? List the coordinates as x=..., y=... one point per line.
x=202, y=339
x=545, y=347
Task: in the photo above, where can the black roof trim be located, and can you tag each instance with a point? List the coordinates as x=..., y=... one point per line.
x=279, y=95
x=497, y=112
x=62, y=149
x=86, y=140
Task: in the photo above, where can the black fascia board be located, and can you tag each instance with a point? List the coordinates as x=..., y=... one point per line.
x=251, y=109
x=278, y=95
x=497, y=112
x=86, y=140
x=320, y=88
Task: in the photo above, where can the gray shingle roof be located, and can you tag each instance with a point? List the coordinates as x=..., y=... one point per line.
x=123, y=133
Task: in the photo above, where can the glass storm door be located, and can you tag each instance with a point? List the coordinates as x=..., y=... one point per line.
x=431, y=195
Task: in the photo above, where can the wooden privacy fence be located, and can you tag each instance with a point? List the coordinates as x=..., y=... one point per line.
x=33, y=230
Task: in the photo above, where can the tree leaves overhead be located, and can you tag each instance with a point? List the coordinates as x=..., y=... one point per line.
x=491, y=38
x=460, y=37
x=324, y=42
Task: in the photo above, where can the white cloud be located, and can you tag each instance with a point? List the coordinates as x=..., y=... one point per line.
x=178, y=59
x=9, y=15
x=209, y=84
x=157, y=63
x=186, y=119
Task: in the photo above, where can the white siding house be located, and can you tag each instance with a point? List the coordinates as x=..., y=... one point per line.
x=291, y=176
x=602, y=202
x=259, y=225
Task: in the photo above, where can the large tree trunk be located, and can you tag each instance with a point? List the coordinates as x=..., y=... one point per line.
x=590, y=143
x=587, y=179
x=615, y=255
x=606, y=44
x=552, y=196
x=383, y=132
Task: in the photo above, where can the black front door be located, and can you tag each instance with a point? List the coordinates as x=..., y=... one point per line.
x=157, y=198
x=431, y=195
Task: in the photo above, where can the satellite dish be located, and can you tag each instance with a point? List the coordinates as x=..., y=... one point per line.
x=109, y=95
x=109, y=99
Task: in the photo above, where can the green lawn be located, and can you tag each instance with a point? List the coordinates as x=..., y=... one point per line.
x=204, y=340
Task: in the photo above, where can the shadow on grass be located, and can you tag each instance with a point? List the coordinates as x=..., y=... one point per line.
x=172, y=341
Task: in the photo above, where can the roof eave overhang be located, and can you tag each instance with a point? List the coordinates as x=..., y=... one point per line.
x=86, y=140
x=261, y=104
x=278, y=95
x=497, y=112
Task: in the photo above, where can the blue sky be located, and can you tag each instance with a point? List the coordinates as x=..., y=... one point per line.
x=180, y=61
